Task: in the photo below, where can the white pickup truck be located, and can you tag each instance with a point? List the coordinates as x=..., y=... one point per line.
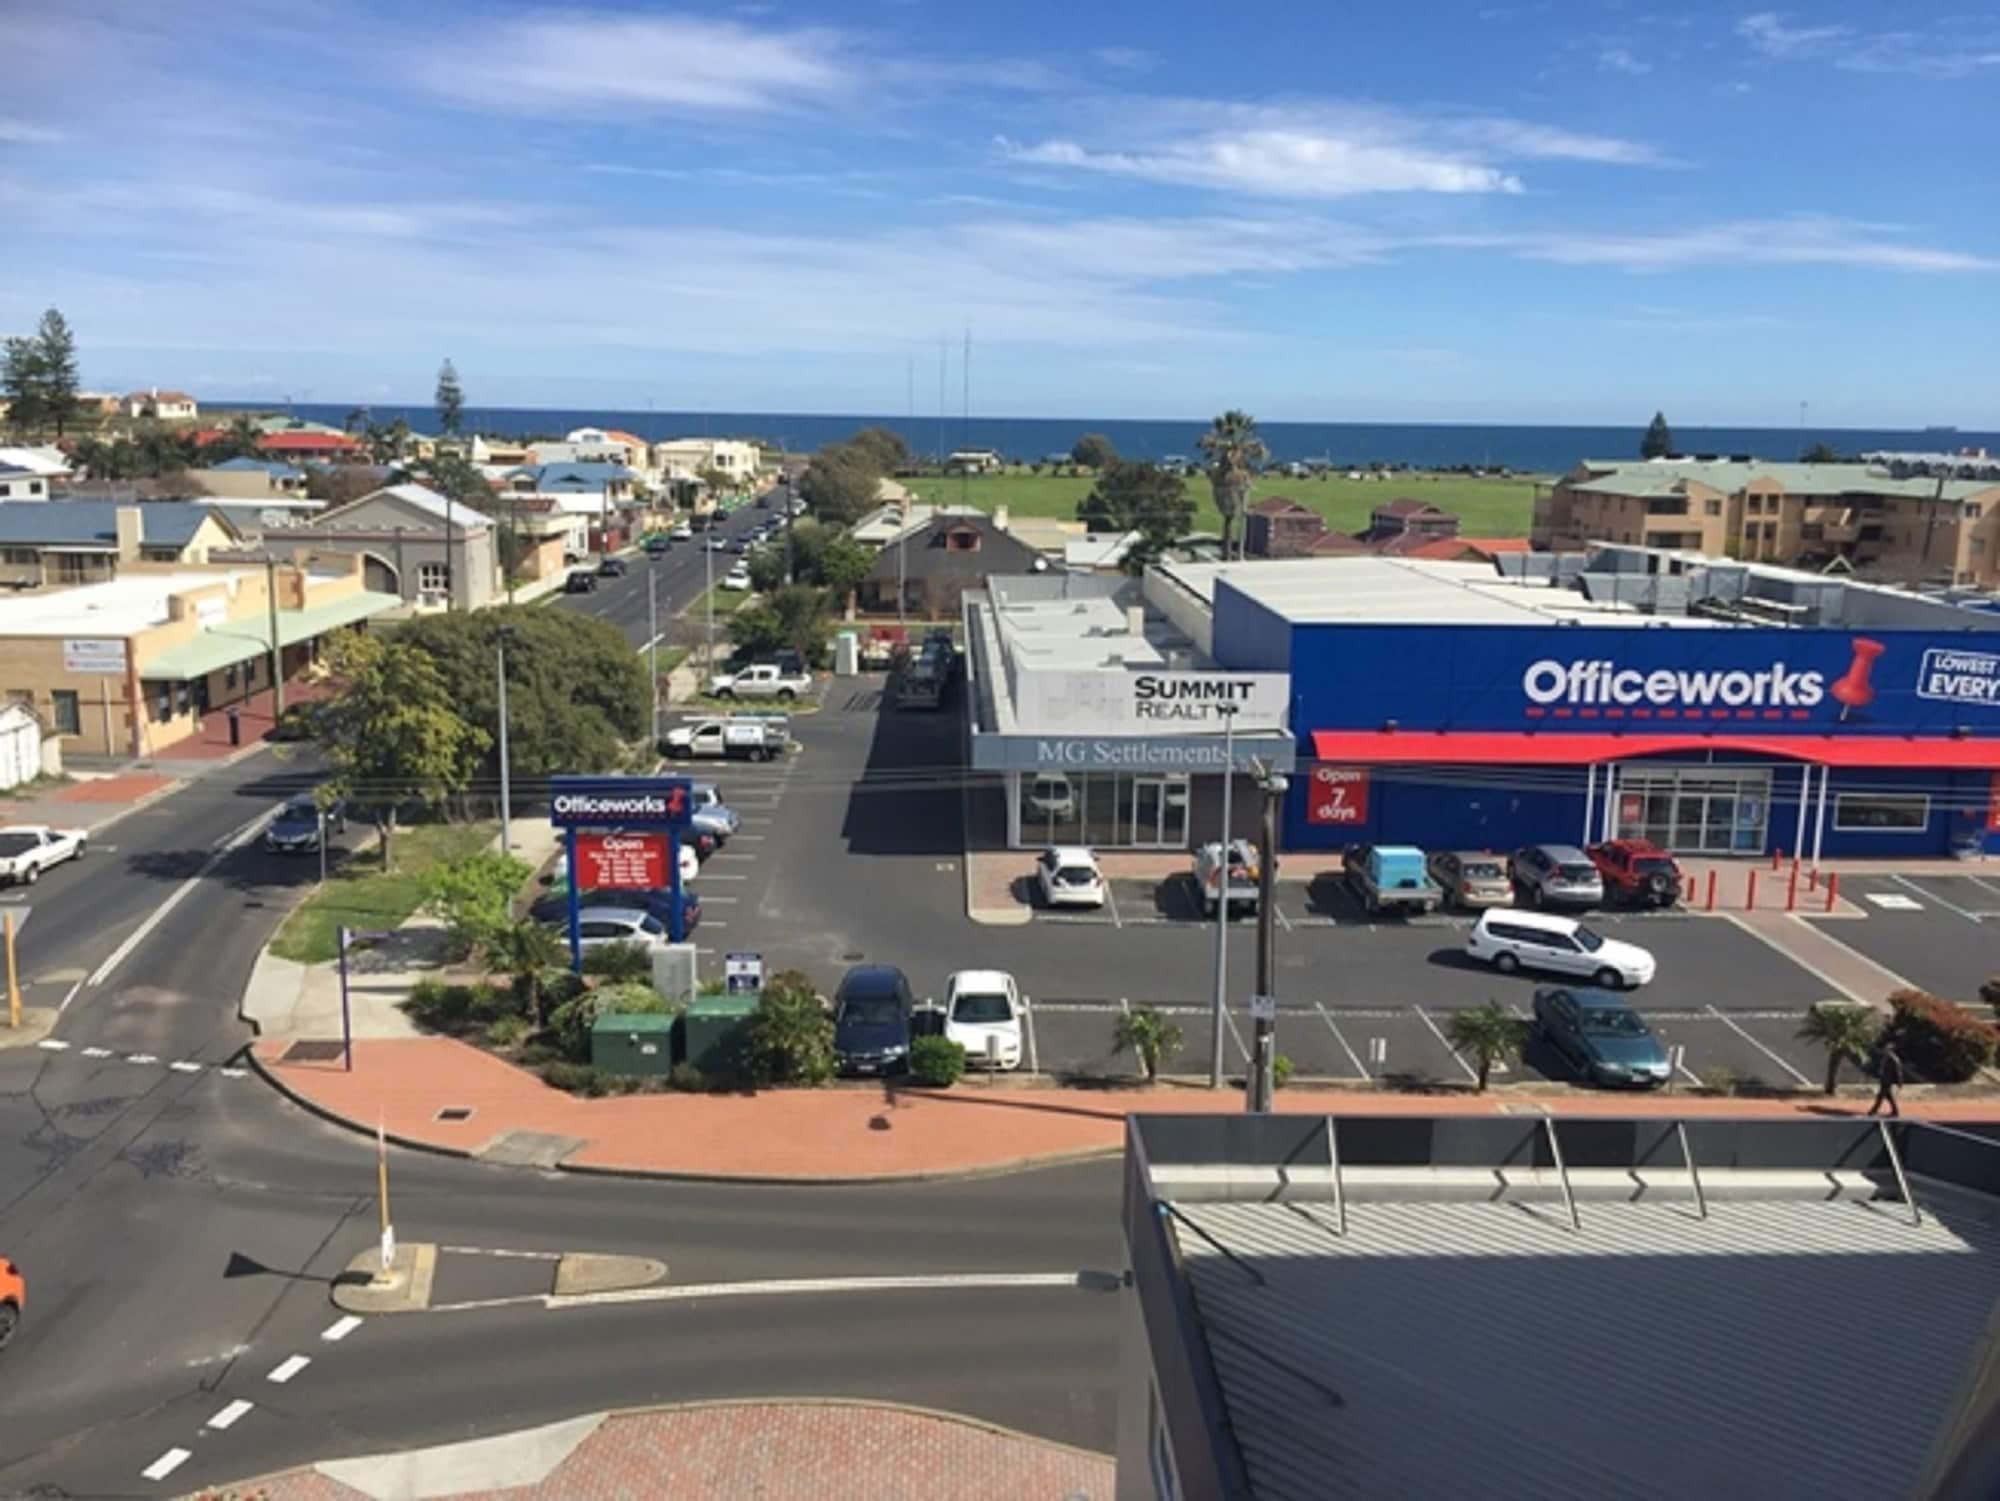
x=26, y=850
x=764, y=680
x=746, y=739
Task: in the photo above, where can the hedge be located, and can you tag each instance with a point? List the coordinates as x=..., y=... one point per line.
x=1939, y=1040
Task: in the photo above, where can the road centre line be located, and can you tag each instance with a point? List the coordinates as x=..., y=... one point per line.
x=1774, y=1057
x=227, y=1417
x=166, y=1464
x=1470, y=1072
x=286, y=1369
x=340, y=1328
x=179, y=894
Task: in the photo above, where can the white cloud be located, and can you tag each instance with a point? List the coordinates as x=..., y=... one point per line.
x=1278, y=164
x=1622, y=60
x=1945, y=49
x=1126, y=59
x=1806, y=240
x=1529, y=141
x=1770, y=35
x=21, y=133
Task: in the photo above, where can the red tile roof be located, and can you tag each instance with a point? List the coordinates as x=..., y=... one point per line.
x=309, y=443
x=1445, y=549
x=1404, y=505
x=1338, y=544
x=1280, y=505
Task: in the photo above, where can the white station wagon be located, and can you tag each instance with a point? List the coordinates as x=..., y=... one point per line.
x=1068, y=877
x=1510, y=940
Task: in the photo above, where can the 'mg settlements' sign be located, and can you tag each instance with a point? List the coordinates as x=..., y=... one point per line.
x=1107, y=701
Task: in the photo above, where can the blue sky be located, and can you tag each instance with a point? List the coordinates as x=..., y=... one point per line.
x=1478, y=211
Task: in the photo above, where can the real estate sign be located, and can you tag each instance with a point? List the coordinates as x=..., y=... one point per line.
x=87, y=655
x=1110, y=701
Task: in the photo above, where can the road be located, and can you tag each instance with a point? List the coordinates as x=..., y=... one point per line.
x=681, y=577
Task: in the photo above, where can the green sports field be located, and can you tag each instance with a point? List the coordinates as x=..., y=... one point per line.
x=1487, y=507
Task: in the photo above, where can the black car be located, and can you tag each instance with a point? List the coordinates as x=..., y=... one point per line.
x=580, y=583
x=658, y=547
x=1599, y=1035
x=611, y=568
x=872, y=1024
x=553, y=910
x=296, y=828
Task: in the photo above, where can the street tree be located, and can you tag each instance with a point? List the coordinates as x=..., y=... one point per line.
x=450, y=399
x=1150, y=1036
x=792, y=615
x=1490, y=1033
x=841, y=484
x=1659, y=440
x=1093, y=451
x=525, y=950
x=1847, y=1032
x=886, y=448
x=1234, y=452
x=1820, y=453
x=1137, y=497
x=55, y=360
x=391, y=732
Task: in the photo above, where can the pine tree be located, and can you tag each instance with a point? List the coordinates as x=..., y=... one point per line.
x=20, y=381
x=450, y=399
x=1659, y=440
x=55, y=357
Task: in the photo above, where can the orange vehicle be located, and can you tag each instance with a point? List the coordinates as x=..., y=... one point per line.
x=13, y=1298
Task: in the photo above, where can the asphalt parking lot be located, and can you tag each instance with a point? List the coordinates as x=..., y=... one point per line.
x=1941, y=933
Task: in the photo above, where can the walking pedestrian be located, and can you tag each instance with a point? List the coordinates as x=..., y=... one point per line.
x=1889, y=1074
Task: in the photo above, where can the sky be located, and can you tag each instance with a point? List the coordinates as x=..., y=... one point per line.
x=1461, y=210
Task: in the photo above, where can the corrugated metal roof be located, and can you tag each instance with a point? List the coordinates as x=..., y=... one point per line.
x=1664, y=476
x=247, y=637
x=94, y=523
x=1777, y=1348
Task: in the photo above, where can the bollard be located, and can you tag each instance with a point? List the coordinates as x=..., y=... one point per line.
x=1750, y=896
x=1792, y=889
x=1711, y=891
x=1812, y=879
x=1832, y=889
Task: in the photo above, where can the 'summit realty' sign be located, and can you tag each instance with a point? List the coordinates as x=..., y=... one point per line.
x=1111, y=701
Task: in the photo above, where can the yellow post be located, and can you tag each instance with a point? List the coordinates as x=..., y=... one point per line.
x=13, y=977
x=382, y=1197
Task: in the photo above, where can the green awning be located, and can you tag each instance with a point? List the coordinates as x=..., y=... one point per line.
x=215, y=649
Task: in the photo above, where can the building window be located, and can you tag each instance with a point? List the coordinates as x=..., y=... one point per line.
x=68, y=712
x=1712, y=507
x=433, y=578
x=1878, y=812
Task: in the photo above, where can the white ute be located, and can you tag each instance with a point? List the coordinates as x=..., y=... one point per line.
x=748, y=739
x=764, y=680
x=28, y=849
x=982, y=1014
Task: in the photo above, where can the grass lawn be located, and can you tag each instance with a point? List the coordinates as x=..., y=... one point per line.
x=360, y=894
x=1488, y=507
x=727, y=602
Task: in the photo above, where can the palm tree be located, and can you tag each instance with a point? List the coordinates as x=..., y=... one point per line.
x=1846, y=1031
x=1148, y=1034
x=523, y=949
x=1234, y=451
x=1490, y=1033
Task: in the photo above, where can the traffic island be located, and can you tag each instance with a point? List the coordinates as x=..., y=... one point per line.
x=581, y=1273
x=404, y=1288
x=36, y=1023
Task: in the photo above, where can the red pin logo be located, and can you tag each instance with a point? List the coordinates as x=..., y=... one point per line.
x=1854, y=690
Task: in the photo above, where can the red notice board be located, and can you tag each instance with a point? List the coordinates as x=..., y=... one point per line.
x=1338, y=795
x=621, y=862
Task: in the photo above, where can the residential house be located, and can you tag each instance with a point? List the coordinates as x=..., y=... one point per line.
x=17, y=483
x=409, y=541
x=62, y=543
x=250, y=479
x=600, y=504
x=1280, y=527
x=167, y=406
x=974, y=461
x=937, y=565
x=500, y=453
x=1409, y=518
x=588, y=445
x=299, y=444
x=46, y=462
x=688, y=457
x=1910, y=528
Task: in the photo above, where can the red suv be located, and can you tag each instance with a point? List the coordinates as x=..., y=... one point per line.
x=1636, y=872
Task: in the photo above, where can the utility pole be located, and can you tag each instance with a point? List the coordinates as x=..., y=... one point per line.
x=277, y=649
x=1228, y=713
x=708, y=598
x=653, y=640
x=506, y=789
x=1263, y=1005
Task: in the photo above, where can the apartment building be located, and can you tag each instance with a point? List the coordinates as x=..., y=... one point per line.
x=1909, y=529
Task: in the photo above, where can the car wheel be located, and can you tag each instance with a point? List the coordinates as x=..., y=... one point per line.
x=1506, y=962
x=1609, y=978
x=785, y=695
x=10, y=1320
x=31, y=875
x=724, y=693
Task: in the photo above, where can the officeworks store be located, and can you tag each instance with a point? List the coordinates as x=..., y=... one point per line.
x=1105, y=719
x=1716, y=708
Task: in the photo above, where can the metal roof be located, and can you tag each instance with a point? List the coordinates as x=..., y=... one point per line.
x=1780, y=1347
x=94, y=523
x=247, y=638
x=1654, y=477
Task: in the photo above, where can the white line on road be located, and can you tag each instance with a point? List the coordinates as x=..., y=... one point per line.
x=233, y=1073
x=166, y=1464
x=1111, y=897
x=747, y=838
x=1352, y=1056
x=1283, y=921
x=1234, y=1035
x=712, y=901
x=52, y=1045
x=1028, y=1024
x=140, y=1058
x=184, y=1067
x=1470, y=1072
x=64, y=1004
x=711, y=875
x=1926, y=892
x=97, y=1052
x=228, y=1416
x=340, y=1328
x=490, y=1251
x=289, y=1368
x=180, y=894
x=1774, y=1057
x=945, y=1282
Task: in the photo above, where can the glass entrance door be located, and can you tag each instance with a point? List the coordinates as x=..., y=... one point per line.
x=1159, y=812
x=1696, y=810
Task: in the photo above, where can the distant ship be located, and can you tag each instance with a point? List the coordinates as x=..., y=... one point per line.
x=1941, y=430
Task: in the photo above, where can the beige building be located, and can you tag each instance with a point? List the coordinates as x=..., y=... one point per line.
x=128, y=667
x=62, y=543
x=687, y=457
x=168, y=406
x=1909, y=530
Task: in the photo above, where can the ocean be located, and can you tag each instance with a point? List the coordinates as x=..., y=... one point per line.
x=1538, y=450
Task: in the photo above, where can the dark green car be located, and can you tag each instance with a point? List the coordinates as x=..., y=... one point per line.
x=1599, y=1035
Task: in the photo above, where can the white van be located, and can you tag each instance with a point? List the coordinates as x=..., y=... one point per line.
x=1509, y=940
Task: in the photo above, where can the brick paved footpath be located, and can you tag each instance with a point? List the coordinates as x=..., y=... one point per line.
x=824, y=1451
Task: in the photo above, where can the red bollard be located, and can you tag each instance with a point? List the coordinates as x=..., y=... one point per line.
x=1792, y=889
x=1832, y=889
x=1711, y=891
x=1812, y=879
x=1777, y=858
x=1750, y=896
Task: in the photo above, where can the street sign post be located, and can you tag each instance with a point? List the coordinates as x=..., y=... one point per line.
x=621, y=806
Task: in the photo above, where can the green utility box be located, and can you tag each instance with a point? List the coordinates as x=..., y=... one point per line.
x=633, y=1042
x=717, y=1031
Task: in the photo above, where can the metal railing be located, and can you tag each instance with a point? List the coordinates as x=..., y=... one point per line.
x=1694, y=1172
x=1333, y=1157
x=1562, y=1172
x=1902, y=1182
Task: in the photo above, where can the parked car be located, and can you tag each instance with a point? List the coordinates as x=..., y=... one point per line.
x=1238, y=873
x=603, y=925
x=1601, y=1037
x=737, y=579
x=1510, y=941
x=580, y=582
x=1068, y=877
x=872, y=1024
x=1637, y=872
x=28, y=849
x=552, y=910
x=295, y=830
x=1556, y=875
x=13, y=1299
x=760, y=680
x=982, y=1014
x=789, y=660
x=658, y=546
x=681, y=532
x=740, y=545
x=716, y=542
x=610, y=567
x=747, y=739
x=712, y=816
x=1471, y=878
x=1390, y=875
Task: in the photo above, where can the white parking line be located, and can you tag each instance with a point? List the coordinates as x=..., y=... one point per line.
x=1111, y=898
x=228, y=1416
x=340, y=1328
x=1993, y=891
x=1235, y=1036
x=288, y=1368
x=748, y=838
x=1028, y=1025
x=1352, y=1057
x=1775, y=1058
x=1470, y=1072
x=1284, y=922
x=710, y=901
x=166, y=1464
x=710, y=875
x=726, y=855
x=1907, y=884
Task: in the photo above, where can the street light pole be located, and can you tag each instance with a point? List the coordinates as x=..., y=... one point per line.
x=506, y=787
x=1263, y=1010
x=708, y=598
x=1228, y=713
x=653, y=639
x=277, y=650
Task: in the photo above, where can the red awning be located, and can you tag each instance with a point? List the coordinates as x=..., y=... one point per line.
x=1520, y=748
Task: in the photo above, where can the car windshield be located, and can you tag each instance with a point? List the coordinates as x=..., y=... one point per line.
x=870, y=1010
x=17, y=844
x=1588, y=941
x=303, y=807
x=981, y=1008
x=1577, y=872
x=1615, y=1021
x=1647, y=864
x=1481, y=870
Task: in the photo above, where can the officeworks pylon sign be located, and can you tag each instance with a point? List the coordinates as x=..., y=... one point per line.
x=620, y=802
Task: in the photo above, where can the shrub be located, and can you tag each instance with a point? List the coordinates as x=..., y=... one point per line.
x=791, y=1036
x=937, y=1061
x=472, y=895
x=1150, y=1035
x=438, y=1006
x=577, y=1078
x=1718, y=1079
x=1989, y=992
x=1281, y=1070
x=1938, y=1040
x=621, y=963
x=571, y=1022
x=505, y=1031
x=688, y=1079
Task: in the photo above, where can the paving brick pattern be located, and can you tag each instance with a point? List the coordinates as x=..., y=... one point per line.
x=826, y=1451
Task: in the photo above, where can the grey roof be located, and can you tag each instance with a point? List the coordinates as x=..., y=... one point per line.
x=271, y=467
x=94, y=523
x=580, y=477
x=924, y=554
x=1665, y=476
x=1485, y=1348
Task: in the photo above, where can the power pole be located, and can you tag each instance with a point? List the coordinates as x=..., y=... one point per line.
x=1263, y=1005
x=1228, y=713
x=653, y=640
x=277, y=649
x=506, y=789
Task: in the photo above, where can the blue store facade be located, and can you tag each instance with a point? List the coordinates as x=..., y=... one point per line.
x=1718, y=740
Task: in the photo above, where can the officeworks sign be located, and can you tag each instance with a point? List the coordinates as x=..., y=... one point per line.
x=1602, y=681
x=620, y=802
x=1121, y=701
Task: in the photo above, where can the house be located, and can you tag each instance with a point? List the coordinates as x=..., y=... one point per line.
x=974, y=461
x=25, y=751
x=588, y=445
x=938, y=564
x=1409, y=517
x=167, y=406
x=409, y=541
x=593, y=507
x=64, y=543
x=17, y=483
x=302, y=444
x=1280, y=527
x=250, y=479
x=47, y=462
x=740, y=461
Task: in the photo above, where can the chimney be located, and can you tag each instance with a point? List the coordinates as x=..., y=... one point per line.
x=999, y=518
x=129, y=528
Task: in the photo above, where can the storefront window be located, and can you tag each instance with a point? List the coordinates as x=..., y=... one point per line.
x=1882, y=813
x=1051, y=807
x=1697, y=810
x=68, y=712
x=1104, y=809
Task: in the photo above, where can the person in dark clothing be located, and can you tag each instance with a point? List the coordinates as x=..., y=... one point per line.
x=1889, y=1074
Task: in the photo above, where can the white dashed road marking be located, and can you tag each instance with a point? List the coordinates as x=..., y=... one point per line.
x=52, y=1045
x=184, y=1067
x=140, y=1058
x=289, y=1368
x=97, y=1052
x=340, y=1328
x=228, y=1416
x=166, y=1464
